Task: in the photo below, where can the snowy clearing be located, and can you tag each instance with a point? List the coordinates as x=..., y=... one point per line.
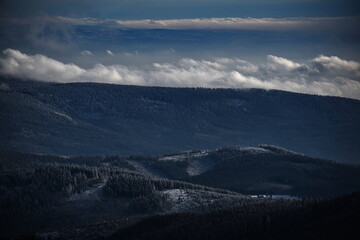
x=185, y=155
x=91, y=194
x=180, y=198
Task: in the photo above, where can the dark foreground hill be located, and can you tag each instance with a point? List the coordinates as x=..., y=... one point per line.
x=44, y=193
x=99, y=119
x=328, y=219
x=59, y=197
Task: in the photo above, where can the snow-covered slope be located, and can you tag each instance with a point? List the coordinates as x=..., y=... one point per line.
x=93, y=193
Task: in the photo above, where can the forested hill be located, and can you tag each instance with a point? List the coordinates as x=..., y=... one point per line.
x=329, y=219
x=60, y=197
x=100, y=119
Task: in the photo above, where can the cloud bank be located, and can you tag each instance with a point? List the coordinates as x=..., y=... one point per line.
x=239, y=23
x=330, y=24
x=323, y=75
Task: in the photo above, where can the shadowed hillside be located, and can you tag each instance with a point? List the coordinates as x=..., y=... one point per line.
x=329, y=219
x=89, y=119
x=58, y=196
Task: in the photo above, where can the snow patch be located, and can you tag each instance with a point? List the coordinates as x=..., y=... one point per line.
x=255, y=150
x=184, y=156
x=48, y=235
x=279, y=150
x=91, y=194
x=198, y=166
x=180, y=199
x=264, y=196
x=286, y=197
x=63, y=115
x=147, y=169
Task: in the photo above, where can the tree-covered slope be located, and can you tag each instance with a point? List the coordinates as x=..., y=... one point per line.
x=328, y=219
x=38, y=193
x=272, y=170
x=265, y=169
x=55, y=196
x=86, y=118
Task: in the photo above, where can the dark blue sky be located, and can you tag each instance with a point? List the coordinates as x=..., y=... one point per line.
x=168, y=9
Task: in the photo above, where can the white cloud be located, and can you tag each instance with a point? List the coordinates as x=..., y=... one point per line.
x=37, y=67
x=335, y=63
x=336, y=76
x=109, y=52
x=87, y=53
x=281, y=64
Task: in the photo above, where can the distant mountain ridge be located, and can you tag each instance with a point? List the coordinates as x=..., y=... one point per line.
x=100, y=119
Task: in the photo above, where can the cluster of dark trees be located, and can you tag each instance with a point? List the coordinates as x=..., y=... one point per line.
x=146, y=193
x=133, y=184
x=29, y=195
x=285, y=219
x=25, y=191
x=154, y=202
